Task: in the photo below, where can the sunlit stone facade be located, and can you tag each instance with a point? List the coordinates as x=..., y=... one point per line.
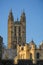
x=30, y=52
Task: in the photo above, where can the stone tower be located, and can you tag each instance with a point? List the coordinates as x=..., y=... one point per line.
x=10, y=29
x=23, y=27
x=16, y=30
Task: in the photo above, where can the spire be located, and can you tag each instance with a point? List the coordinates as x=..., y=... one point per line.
x=32, y=42
x=23, y=14
x=23, y=17
x=10, y=17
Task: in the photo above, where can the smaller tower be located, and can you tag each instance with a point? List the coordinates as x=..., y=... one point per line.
x=32, y=45
x=33, y=51
x=23, y=27
x=1, y=43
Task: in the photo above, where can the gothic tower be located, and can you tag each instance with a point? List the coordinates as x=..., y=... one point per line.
x=23, y=27
x=16, y=30
x=10, y=29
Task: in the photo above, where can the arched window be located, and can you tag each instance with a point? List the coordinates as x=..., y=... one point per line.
x=38, y=55
x=22, y=48
x=30, y=56
x=19, y=31
x=15, y=31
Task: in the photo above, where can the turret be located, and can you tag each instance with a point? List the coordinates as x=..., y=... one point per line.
x=23, y=27
x=10, y=17
x=10, y=29
x=23, y=17
x=33, y=51
x=32, y=45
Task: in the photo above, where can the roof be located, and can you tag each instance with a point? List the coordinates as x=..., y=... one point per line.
x=17, y=22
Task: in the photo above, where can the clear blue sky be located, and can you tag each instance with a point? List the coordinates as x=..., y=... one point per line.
x=34, y=18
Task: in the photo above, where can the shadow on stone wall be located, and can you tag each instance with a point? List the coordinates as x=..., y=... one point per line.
x=6, y=62
x=20, y=62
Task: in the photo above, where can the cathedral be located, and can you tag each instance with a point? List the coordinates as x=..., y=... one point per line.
x=18, y=48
